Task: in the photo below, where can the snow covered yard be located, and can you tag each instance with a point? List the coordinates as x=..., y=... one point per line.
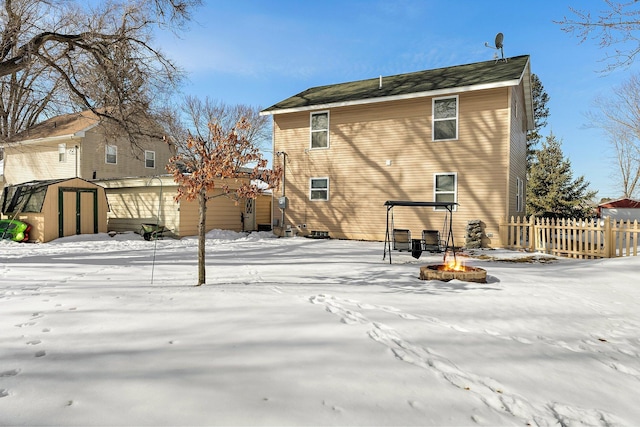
x=310, y=332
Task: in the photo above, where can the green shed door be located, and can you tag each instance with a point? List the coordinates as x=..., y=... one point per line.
x=68, y=210
x=78, y=211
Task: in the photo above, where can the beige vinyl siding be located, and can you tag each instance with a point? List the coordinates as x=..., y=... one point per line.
x=517, y=150
x=134, y=201
x=263, y=209
x=25, y=163
x=222, y=213
x=130, y=162
x=364, y=139
x=38, y=160
x=129, y=208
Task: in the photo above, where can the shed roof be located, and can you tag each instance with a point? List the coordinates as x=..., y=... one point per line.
x=460, y=78
x=28, y=196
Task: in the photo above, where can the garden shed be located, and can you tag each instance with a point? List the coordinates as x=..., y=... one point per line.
x=57, y=208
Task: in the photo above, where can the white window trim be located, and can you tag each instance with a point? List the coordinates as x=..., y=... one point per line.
x=434, y=120
x=311, y=131
x=145, y=159
x=455, y=189
x=311, y=188
x=62, y=149
x=519, y=194
x=106, y=154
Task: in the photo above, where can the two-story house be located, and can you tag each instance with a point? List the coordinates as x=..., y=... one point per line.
x=77, y=145
x=454, y=134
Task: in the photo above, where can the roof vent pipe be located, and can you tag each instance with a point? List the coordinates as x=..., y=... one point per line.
x=380, y=85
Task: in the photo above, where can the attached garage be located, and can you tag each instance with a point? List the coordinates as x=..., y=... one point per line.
x=57, y=208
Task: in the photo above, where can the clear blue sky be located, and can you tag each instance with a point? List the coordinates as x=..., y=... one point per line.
x=260, y=52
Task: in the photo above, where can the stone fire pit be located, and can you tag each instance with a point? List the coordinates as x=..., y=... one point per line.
x=444, y=273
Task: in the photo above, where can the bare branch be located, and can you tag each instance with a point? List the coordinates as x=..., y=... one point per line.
x=614, y=29
x=58, y=57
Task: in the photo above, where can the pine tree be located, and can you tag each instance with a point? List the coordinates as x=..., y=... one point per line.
x=551, y=190
x=540, y=114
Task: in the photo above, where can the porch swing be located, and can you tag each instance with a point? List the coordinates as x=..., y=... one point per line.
x=431, y=239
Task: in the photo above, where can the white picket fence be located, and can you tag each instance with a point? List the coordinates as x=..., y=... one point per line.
x=573, y=238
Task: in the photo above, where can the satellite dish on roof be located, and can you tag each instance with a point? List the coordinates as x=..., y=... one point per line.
x=498, y=46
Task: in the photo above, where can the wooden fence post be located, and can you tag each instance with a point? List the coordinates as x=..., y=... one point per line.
x=609, y=243
x=532, y=233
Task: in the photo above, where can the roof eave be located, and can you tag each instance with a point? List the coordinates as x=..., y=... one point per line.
x=79, y=134
x=528, y=95
x=445, y=91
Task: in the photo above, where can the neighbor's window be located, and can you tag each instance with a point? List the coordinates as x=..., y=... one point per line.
x=319, y=189
x=519, y=195
x=62, y=153
x=111, y=154
x=150, y=159
x=445, y=188
x=445, y=118
x=320, y=130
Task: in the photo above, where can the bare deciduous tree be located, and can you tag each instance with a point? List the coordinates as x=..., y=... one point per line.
x=217, y=143
x=615, y=29
x=618, y=115
x=56, y=56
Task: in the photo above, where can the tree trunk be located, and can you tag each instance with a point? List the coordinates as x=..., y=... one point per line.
x=202, y=204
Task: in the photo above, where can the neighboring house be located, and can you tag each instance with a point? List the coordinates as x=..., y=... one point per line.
x=77, y=145
x=449, y=134
x=621, y=209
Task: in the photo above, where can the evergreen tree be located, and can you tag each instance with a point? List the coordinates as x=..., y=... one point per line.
x=540, y=114
x=551, y=190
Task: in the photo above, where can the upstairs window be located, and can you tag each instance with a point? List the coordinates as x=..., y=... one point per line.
x=320, y=130
x=445, y=118
x=111, y=154
x=445, y=188
x=150, y=159
x=62, y=153
x=319, y=189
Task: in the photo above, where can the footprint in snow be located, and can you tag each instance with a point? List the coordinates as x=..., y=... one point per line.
x=40, y=353
x=24, y=325
x=34, y=342
x=4, y=392
x=10, y=373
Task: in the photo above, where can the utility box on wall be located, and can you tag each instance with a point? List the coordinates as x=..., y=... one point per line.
x=283, y=202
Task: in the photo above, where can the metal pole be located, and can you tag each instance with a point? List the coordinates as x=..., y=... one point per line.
x=283, y=154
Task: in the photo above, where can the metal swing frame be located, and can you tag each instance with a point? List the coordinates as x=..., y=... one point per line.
x=390, y=204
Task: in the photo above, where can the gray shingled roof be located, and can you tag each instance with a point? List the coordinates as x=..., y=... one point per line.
x=460, y=76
